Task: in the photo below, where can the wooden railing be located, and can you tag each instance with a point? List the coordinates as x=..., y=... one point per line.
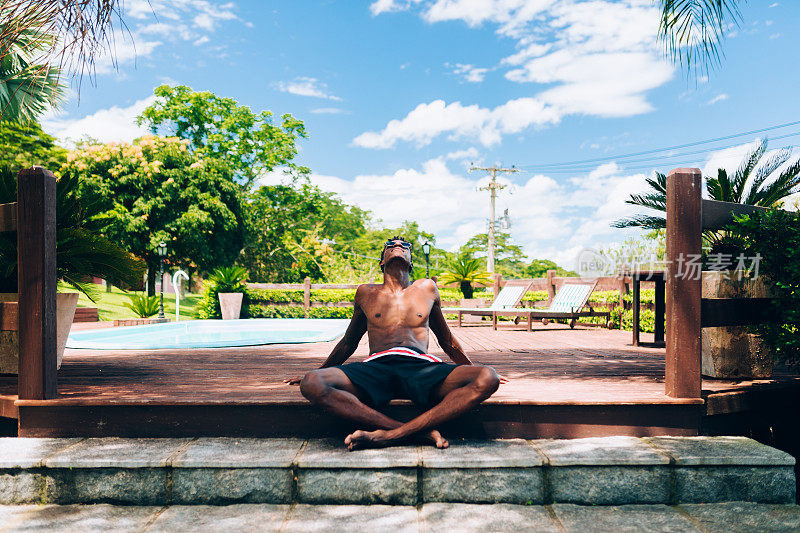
x=33, y=316
x=687, y=311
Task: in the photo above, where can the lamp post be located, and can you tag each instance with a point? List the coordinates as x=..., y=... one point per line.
x=162, y=252
x=426, y=249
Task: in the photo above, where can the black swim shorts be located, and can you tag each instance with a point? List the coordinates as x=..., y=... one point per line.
x=382, y=379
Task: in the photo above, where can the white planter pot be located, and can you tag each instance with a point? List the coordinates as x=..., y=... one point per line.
x=230, y=304
x=733, y=352
x=66, y=303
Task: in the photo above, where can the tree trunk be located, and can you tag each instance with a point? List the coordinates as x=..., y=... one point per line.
x=466, y=289
x=151, y=278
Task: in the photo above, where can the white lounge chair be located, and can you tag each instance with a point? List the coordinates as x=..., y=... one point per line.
x=508, y=297
x=568, y=303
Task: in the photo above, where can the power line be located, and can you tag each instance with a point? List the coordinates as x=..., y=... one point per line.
x=666, y=149
x=652, y=162
x=655, y=159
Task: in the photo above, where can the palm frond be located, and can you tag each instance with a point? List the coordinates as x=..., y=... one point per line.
x=641, y=221
x=693, y=30
x=742, y=175
x=763, y=173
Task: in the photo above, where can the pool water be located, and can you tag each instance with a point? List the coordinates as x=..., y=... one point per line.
x=210, y=334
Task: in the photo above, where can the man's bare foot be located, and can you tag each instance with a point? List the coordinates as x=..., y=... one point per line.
x=380, y=439
x=434, y=437
x=367, y=439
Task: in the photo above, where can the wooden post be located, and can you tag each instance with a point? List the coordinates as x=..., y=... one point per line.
x=496, y=285
x=36, y=267
x=551, y=287
x=635, y=307
x=623, y=290
x=683, y=290
x=306, y=295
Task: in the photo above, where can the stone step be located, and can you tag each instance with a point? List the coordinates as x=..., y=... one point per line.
x=464, y=518
x=220, y=471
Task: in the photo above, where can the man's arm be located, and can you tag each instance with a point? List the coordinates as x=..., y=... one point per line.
x=345, y=347
x=439, y=327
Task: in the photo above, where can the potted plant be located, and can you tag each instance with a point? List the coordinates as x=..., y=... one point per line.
x=81, y=253
x=224, y=294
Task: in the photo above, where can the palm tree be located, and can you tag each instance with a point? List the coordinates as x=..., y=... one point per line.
x=764, y=183
x=26, y=88
x=694, y=29
x=465, y=270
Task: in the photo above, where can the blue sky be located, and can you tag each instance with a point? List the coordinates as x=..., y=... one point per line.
x=399, y=96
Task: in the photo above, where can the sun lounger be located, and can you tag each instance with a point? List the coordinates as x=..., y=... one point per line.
x=508, y=297
x=568, y=303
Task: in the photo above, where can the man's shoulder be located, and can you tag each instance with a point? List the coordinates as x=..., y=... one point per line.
x=365, y=288
x=425, y=284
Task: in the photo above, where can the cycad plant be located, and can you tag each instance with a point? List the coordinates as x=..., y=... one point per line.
x=142, y=305
x=465, y=270
x=81, y=249
x=757, y=181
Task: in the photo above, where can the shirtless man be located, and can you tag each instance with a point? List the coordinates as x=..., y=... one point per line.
x=396, y=316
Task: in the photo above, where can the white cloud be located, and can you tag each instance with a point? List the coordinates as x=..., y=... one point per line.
x=775, y=36
x=719, y=98
x=387, y=6
x=169, y=20
x=470, y=153
x=105, y=125
x=591, y=57
x=305, y=86
x=469, y=73
x=327, y=111
x=428, y=121
x=551, y=218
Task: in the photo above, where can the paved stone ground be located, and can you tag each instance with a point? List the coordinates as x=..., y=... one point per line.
x=722, y=517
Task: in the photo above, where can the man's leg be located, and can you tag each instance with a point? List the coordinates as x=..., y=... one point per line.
x=332, y=390
x=463, y=389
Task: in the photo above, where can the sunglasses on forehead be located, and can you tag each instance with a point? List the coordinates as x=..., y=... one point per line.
x=393, y=242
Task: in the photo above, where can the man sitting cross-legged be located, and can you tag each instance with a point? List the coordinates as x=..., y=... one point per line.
x=396, y=316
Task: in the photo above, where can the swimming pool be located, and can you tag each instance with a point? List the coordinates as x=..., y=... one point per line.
x=209, y=334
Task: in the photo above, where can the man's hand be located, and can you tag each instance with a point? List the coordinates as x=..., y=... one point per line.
x=293, y=381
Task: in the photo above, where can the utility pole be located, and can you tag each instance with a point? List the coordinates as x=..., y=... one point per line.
x=493, y=187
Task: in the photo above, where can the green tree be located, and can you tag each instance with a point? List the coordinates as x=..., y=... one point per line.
x=219, y=128
x=156, y=190
x=538, y=269
x=291, y=227
x=27, y=86
x=25, y=145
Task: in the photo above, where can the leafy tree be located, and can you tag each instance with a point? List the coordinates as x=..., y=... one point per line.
x=504, y=249
x=217, y=128
x=291, y=227
x=465, y=270
x=26, y=86
x=156, y=190
x=538, y=269
x=23, y=146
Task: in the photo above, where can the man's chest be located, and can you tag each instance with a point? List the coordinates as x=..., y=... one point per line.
x=408, y=309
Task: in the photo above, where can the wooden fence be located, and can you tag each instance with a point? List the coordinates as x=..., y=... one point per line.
x=33, y=316
x=551, y=283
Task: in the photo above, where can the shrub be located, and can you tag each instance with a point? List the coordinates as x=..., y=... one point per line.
x=230, y=279
x=142, y=305
x=775, y=236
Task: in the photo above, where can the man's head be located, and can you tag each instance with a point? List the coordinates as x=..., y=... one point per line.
x=396, y=248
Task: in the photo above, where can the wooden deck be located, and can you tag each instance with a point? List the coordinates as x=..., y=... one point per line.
x=564, y=383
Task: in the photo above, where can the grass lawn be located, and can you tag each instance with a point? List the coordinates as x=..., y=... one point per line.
x=111, y=306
